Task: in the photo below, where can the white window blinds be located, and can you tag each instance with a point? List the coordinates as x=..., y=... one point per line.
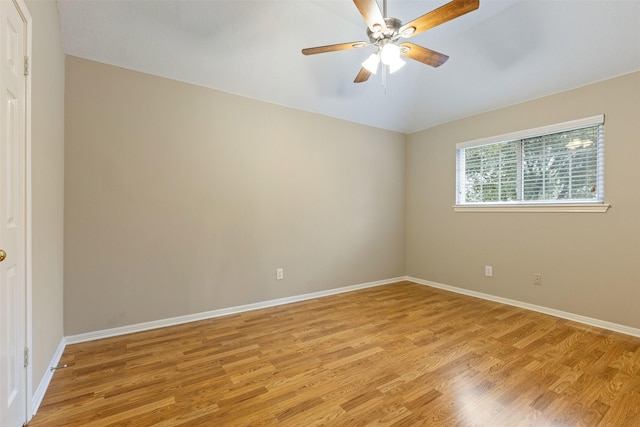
x=562, y=163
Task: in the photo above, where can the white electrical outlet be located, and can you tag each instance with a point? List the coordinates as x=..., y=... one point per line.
x=537, y=279
x=488, y=270
x=279, y=273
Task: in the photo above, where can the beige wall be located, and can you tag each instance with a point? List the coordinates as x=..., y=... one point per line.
x=181, y=199
x=590, y=262
x=47, y=162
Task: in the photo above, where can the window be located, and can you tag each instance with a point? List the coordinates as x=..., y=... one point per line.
x=560, y=164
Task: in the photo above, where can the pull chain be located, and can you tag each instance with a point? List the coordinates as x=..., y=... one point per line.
x=384, y=77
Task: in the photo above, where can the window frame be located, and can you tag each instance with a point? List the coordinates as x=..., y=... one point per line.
x=591, y=205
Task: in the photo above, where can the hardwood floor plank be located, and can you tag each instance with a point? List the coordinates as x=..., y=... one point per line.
x=393, y=355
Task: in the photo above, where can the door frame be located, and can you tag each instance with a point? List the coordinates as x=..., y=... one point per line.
x=23, y=10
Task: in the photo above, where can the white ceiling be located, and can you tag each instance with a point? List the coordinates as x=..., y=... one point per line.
x=503, y=53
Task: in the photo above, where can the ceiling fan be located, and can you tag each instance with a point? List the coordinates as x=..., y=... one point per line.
x=385, y=33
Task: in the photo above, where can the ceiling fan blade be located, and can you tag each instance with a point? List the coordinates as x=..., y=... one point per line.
x=362, y=76
x=371, y=13
x=422, y=54
x=439, y=16
x=333, y=47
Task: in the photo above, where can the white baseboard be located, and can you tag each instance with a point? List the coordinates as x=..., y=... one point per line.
x=139, y=327
x=38, y=395
x=628, y=330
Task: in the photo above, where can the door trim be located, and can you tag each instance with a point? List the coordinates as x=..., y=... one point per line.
x=23, y=10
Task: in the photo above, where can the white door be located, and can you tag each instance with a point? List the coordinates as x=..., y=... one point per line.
x=12, y=216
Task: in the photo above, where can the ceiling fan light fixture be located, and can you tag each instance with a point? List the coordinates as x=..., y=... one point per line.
x=389, y=53
x=371, y=63
x=396, y=65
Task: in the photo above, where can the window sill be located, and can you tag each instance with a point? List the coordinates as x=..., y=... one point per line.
x=582, y=208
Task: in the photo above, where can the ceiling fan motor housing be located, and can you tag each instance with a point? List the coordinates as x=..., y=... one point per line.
x=390, y=34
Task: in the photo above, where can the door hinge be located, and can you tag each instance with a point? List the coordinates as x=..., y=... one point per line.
x=27, y=66
x=26, y=357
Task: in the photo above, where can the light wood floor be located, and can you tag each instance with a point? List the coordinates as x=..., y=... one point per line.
x=401, y=355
